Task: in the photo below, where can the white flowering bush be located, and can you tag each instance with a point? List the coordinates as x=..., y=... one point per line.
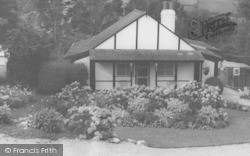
x=138, y=104
x=175, y=115
x=15, y=96
x=48, y=120
x=91, y=121
x=209, y=118
x=197, y=96
x=5, y=115
x=71, y=95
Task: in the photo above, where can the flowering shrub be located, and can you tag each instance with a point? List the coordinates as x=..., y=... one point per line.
x=197, y=96
x=71, y=95
x=111, y=98
x=209, y=118
x=121, y=117
x=5, y=115
x=215, y=81
x=120, y=97
x=96, y=114
x=91, y=121
x=138, y=104
x=48, y=120
x=175, y=115
x=15, y=97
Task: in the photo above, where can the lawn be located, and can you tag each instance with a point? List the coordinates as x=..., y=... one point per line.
x=237, y=132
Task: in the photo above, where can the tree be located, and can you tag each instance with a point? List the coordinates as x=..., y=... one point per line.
x=91, y=17
x=27, y=51
x=8, y=17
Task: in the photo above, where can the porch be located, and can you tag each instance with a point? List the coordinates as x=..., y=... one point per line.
x=124, y=68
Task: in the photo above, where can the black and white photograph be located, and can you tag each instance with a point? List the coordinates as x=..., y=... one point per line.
x=124, y=77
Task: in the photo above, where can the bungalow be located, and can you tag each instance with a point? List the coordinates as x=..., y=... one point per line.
x=139, y=50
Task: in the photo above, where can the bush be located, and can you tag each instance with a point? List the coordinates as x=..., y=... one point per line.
x=52, y=76
x=15, y=96
x=48, y=120
x=215, y=81
x=91, y=121
x=209, y=118
x=5, y=115
x=177, y=114
x=55, y=75
x=71, y=95
x=197, y=96
x=77, y=72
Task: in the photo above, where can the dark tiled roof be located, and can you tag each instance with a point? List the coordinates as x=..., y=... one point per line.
x=81, y=48
x=137, y=55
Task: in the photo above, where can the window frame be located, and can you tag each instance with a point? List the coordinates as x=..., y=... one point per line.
x=127, y=69
x=166, y=70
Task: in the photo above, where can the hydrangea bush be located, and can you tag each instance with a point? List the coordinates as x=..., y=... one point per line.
x=71, y=95
x=91, y=121
x=96, y=114
x=48, y=120
x=15, y=96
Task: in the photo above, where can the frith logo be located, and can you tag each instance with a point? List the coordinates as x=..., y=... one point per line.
x=211, y=27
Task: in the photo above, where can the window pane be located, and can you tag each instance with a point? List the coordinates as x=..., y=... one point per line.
x=165, y=69
x=122, y=69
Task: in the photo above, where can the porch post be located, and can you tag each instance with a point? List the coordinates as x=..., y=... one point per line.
x=156, y=77
x=176, y=75
x=216, y=69
x=131, y=73
x=197, y=71
x=114, y=74
x=92, y=75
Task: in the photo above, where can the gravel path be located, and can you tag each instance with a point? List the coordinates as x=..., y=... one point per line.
x=96, y=148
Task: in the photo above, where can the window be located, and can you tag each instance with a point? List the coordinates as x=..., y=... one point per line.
x=123, y=69
x=165, y=69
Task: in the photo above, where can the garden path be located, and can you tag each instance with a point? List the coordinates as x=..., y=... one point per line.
x=230, y=94
x=95, y=148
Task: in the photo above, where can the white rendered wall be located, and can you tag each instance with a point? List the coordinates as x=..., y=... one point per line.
x=126, y=38
x=185, y=73
x=104, y=73
x=147, y=33
x=209, y=64
x=167, y=40
x=185, y=46
x=108, y=44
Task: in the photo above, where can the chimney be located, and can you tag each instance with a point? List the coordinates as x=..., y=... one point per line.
x=168, y=15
